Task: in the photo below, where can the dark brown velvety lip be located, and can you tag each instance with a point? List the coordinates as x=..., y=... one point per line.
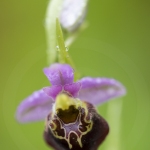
x=90, y=140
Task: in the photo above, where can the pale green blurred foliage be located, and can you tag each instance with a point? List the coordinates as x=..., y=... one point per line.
x=116, y=44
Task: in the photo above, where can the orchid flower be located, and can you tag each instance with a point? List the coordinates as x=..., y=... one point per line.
x=93, y=90
x=58, y=99
x=68, y=106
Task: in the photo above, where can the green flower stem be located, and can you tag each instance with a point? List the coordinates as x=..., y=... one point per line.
x=63, y=53
x=55, y=37
x=114, y=111
x=53, y=11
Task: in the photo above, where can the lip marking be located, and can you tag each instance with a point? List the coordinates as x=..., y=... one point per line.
x=72, y=127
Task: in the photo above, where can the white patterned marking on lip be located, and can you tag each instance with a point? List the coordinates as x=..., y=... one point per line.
x=68, y=128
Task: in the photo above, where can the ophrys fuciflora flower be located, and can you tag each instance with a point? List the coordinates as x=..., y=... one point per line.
x=72, y=122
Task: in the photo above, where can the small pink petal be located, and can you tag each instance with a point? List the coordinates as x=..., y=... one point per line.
x=53, y=91
x=73, y=88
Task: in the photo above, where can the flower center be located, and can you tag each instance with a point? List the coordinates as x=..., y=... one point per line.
x=69, y=115
x=70, y=120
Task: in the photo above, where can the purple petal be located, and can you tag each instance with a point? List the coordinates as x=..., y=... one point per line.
x=53, y=91
x=59, y=74
x=73, y=88
x=99, y=90
x=34, y=108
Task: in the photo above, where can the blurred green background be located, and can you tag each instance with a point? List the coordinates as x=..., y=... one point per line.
x=116, y=44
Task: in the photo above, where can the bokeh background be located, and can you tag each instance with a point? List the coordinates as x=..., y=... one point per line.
x=116, y=44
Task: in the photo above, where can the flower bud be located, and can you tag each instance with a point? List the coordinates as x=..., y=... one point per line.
x=74, y=125
x=73, y=13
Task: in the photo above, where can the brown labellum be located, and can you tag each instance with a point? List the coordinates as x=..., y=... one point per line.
x=76, y=129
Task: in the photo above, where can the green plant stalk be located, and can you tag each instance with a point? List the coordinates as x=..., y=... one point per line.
x=55, y=36
x=63, y=53
x=114, y=111
x=53, y=11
